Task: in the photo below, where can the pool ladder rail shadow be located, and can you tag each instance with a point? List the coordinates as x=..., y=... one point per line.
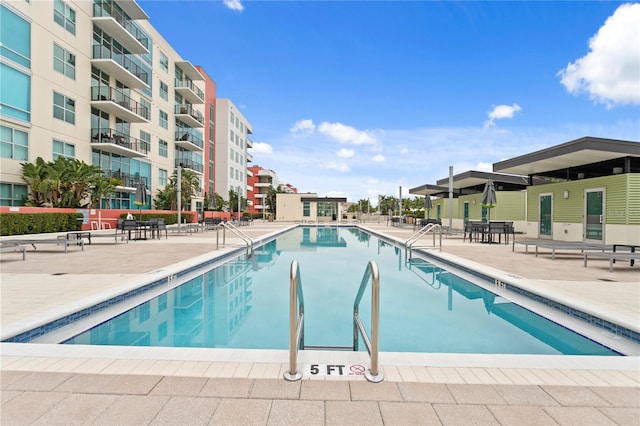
x=296, y=323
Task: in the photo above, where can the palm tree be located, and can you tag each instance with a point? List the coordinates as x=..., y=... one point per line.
x=167, y=199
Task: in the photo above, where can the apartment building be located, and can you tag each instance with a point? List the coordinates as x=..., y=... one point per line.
x=232, y=141
x=94, y=81
x=258, y=183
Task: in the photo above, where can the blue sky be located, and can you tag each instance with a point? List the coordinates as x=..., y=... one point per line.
x=357, y=98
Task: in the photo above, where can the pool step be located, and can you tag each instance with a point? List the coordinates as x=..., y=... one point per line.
x=328, y=348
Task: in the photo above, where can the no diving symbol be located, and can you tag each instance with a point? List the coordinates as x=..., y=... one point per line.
x=356, y=370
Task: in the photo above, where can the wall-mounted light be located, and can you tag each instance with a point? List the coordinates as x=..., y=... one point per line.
x=566, y=194
x=474, y=201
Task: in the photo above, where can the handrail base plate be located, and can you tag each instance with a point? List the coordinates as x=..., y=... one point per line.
x=292, y=377
x=373, y=379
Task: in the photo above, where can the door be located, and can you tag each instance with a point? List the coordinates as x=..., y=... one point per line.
x=438, y=211
x=484, y=214
x=594, y=219
x=466, y=212
x=545, y=216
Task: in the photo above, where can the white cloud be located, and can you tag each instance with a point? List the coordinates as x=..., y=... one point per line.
x=303, y=126
x=346, y=153
x=378, y=158
x=484, y=167
x=346, y=134
x=499, y=112
x=341, y=167
x=261, y=148
x=234, y=5
x=609, y=72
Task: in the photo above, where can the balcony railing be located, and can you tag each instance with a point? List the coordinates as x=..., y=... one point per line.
x=102, y=52
x=113, y=137
x=190, y=164
x=108, y=93
x=184, y=136
x=188, y=84
x=128, y=180
x=105, y=9
x=187, y=109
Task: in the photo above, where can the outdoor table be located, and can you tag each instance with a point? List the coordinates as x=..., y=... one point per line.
x=141, y=227
x=79, y=235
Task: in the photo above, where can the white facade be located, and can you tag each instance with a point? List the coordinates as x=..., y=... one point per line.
x=105, y=86
x=232, y=142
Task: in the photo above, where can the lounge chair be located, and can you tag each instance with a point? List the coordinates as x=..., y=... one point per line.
x=612, y=256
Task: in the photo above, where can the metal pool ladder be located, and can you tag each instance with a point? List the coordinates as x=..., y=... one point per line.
x=296, y=322
x=432, y=228
x=244, y=237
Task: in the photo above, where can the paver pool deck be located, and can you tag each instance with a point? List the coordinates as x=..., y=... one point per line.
x=68, y=384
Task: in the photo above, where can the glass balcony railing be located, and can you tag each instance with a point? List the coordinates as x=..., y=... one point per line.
x=127, y=179
x=102, y=52
x=189, y=85
x=185, y=136
x=189, y=164
x=187, y=109
x=111, y=136
x=107, y=93
x=106, y=8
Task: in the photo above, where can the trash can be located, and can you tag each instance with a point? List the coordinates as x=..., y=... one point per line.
x=270, y=217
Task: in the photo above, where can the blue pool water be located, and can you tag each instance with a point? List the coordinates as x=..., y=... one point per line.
x=244, y=304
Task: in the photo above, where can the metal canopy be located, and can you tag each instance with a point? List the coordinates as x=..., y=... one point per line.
x=475, y=179
x=573, y=154
x=425, y=190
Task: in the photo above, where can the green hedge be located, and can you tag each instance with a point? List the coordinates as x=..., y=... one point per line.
x=169, y=218
x=39, y=223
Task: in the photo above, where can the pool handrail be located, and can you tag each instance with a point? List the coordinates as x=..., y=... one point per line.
x=371, y=271
x=244, y=237
x=296, y=321
x=430, y=227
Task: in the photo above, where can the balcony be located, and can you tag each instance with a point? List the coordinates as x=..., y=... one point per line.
x=262, y=184
x=110, y=140
x=249, y=143
x=188, y=141
x=114, y=101
x=191, y=165
x=189, y=115
x=120, y=66
x=120, y=27
x=129, y=181
x=189, y=91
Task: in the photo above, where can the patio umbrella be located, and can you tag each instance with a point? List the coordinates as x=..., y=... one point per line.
x=140, y=198
x=428, y=205
x=213, y=204
x=488, y=199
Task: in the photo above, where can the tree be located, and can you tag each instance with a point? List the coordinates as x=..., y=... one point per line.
x=233, y=201
x=64, y=182
x=270, y=199
x=167, y=198
x=103, y=187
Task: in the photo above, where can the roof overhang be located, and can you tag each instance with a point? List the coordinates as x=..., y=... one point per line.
x=427, y=189
x=132, y=9
x=575, y=153
x=475, y=178
x=189, y=70
x=324, y=199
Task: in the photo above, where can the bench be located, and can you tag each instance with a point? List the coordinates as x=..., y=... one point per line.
x=14, y=247
x=612, y=256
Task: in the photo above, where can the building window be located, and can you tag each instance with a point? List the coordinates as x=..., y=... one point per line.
x=64, y=16
x=15, y=93
x=162, y=177
x=64, y=62
x=12, y=194
x=231, y=116
x=15, y=38
x=63, y=149
x=164, y=91
x=164, y=62
x=163, y=148
x=14, y=144
x=145, y=137
x=306, y=209
x=64, y=108
x=164, y=119
x=146, y=108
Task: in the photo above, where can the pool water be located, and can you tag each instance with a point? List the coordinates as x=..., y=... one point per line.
x=244, y=304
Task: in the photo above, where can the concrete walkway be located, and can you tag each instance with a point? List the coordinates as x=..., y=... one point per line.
x=59, y=384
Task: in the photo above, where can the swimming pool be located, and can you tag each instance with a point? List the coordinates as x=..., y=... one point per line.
x=243, y=303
